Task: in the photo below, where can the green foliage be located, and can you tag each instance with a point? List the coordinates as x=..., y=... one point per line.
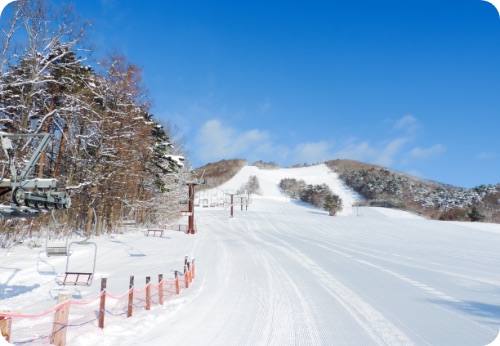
x=318, y=195
x=292, y=187
x=455, y=214
x=383, y=187
x=332, y=204
x=108, y=150
x=475, y=215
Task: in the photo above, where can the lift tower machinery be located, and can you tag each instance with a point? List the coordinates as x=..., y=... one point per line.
x=29, y=196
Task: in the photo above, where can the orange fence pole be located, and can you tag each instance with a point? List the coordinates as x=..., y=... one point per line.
x=189, y=273
x=177, y=290
x=102, y=306
x=60, y=324
x=130, y=297
x=186, y=279
x=148, y=293
x=5, y=327
x=160, y=288
x=192, y=268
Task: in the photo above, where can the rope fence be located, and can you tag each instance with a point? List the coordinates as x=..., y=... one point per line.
x=69, y=319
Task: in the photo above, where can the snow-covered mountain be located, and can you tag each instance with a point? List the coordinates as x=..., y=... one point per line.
x=279, y=273
x=378, y=186
x=269, y=180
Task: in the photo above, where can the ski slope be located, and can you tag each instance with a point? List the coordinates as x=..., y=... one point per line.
x=284, y=273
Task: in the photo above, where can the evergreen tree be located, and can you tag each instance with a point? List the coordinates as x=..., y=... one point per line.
x=332, y=204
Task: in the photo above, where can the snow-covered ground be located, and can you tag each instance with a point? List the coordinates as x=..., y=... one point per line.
x=283, y=273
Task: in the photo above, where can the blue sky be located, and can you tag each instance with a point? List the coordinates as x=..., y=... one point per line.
x=411, y=85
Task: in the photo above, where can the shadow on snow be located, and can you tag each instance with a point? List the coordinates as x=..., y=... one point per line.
x=478, y=309
x=9, y=291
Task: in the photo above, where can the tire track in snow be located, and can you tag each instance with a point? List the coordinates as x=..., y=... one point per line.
x=401, y=259
x=241, y=297
x=412, y=282
x=277, y=319
x=305, y=328
x=343, y=249
x=381, y=330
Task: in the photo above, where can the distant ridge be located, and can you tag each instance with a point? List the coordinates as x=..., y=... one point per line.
x=218, y=173
x=380, y=186
x=346, y=165
x=384, y=187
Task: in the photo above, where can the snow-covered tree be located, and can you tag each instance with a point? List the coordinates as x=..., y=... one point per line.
x=109, y=151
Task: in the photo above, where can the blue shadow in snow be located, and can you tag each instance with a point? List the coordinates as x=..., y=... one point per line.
x=9, y=291
x=478, y=309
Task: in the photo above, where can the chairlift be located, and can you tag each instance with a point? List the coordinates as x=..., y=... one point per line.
x=127, y=221
x=53, y=249
x=29, y=196
x=80, y=278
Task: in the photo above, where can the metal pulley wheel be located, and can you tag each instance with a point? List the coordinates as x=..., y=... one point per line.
x=18, y=196
x=30, y=203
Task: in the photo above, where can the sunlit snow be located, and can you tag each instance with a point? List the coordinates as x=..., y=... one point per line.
x=284, y=273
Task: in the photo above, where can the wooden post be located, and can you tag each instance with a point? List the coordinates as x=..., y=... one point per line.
x=5, y=327
x=192, y=268
x=60, y=324
x=189, y=272
x=186, y=278
x=177, y=290
x=160, y=288
x=130, y=297
x=102, y=305
x=148, y=293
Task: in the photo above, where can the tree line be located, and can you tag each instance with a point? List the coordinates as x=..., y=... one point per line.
x=321, y=196
x=111, y=154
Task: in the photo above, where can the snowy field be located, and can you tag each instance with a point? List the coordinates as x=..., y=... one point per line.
x=284, y=273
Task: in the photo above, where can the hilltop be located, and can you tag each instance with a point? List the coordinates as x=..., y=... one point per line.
x=376, y=185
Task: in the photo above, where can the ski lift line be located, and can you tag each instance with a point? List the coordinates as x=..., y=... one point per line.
x=79, y=277
x=56, y=250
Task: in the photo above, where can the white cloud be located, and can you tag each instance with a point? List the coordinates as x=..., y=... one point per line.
x=312, y=152
x=408, y=123
x=425, y=153
x=387, y=155
x=382, y=154
x=216, y=141
x=355, y=150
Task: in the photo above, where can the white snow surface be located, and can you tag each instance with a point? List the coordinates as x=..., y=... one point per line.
x=284, y=273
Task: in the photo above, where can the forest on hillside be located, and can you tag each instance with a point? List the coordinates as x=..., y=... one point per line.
x=108, y=151
x=383, y=187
